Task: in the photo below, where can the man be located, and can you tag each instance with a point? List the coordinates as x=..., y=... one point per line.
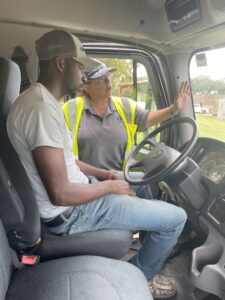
x=67, y=202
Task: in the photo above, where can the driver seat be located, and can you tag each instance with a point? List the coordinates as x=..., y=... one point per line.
x=18, y=209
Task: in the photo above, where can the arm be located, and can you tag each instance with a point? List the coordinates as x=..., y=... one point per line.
x=158, y=116
x=51, y=166
x=101, y=174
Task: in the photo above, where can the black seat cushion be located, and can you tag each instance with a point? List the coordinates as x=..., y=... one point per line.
x=83, y=277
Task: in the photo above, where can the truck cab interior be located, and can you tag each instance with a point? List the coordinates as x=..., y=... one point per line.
x=155, y=46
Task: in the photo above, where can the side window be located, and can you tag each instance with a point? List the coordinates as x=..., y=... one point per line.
x=207, y=72
x=131, y=80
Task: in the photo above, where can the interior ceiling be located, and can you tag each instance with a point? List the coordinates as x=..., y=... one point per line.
x=140, y=21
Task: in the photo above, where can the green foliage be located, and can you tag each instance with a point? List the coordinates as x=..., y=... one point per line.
x=205, y=85
x=124, y=68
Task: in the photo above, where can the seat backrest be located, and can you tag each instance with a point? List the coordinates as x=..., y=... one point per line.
x=5, y=263
x=20, y=57
x=18, y=209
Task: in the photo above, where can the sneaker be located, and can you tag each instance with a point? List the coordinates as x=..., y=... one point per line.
x=162, y=287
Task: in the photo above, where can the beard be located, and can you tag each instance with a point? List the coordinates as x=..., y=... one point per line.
x=72, y=92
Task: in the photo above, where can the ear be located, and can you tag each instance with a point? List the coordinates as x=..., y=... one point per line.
x=59, y=63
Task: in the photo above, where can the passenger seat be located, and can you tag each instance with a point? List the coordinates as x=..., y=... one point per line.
x=80, y=277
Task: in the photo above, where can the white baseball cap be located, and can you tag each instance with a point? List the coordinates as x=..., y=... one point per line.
x=99, y=71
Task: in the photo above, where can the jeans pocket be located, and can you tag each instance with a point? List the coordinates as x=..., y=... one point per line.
x=82, y=209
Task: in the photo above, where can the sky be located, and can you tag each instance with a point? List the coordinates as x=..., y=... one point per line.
x=215, y=65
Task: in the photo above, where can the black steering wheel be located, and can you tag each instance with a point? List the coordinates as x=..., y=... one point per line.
x=161, y=160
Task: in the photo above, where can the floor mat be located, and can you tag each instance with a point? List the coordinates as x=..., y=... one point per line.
x=178, y=267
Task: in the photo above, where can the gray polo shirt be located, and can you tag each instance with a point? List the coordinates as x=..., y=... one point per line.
x=102, y=141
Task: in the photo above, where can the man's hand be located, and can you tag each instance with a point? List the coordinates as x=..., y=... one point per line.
x=118, y=187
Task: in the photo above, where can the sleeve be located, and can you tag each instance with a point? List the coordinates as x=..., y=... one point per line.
x=141, y=116
x=43, y=126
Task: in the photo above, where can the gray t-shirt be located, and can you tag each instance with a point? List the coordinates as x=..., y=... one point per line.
x=102, y=142
x=35, y=120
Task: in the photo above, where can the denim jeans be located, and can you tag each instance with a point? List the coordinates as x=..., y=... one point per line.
x=142, y=191
x=163, y=223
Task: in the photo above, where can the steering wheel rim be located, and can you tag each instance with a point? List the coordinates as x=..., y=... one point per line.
x=162, y=174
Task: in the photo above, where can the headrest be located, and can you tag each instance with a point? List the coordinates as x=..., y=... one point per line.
x=10, y=80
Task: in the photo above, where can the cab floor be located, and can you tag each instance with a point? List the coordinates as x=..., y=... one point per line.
x=178, y=267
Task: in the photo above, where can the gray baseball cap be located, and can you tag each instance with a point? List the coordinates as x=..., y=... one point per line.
x=99, y=71
x=64, y=44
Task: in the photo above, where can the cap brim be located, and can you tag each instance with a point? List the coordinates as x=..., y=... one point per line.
x=102, y=72
x=89, y=63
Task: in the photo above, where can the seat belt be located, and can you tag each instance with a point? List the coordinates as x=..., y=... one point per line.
x=15, y=260
x=23, y=260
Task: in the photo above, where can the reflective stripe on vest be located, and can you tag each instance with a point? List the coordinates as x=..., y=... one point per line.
x=126, y=108
x=73, y=110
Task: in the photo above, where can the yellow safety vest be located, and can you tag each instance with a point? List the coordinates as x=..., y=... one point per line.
x=73, y=110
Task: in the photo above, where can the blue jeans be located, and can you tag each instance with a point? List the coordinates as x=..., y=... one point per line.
x=163, y=223
x=142, y=191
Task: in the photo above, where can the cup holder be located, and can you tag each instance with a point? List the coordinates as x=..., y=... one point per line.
x=207, y=269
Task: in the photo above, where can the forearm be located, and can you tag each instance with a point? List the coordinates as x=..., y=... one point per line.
x=76, y=194
x=52, y=170
x=161, y=115
x=88, y=170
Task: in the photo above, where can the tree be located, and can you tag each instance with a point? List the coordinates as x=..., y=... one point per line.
x=205, y=85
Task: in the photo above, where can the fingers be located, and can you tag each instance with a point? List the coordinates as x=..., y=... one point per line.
x=185, y=88
x=122, y=187
x=131, y=192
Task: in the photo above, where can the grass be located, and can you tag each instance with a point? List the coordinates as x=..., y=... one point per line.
x=211, y=126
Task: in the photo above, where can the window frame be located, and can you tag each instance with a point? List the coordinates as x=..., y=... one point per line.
x=154, y=66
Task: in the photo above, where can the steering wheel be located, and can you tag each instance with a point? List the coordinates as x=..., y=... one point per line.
x=161, y=160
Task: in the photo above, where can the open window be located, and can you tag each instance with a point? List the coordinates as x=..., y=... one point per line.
x=207, y=72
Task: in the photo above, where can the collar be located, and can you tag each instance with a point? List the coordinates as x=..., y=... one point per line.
x=48, y=96
x=87, y=105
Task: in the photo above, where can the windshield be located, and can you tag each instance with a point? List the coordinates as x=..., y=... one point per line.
x=207, y=73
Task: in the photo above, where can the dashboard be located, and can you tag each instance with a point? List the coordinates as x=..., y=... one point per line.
x=212, y=165
x=200, y=187
x=201, y=192
x=209, y=154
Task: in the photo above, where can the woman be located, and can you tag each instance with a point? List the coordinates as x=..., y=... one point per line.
x=103, y=127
